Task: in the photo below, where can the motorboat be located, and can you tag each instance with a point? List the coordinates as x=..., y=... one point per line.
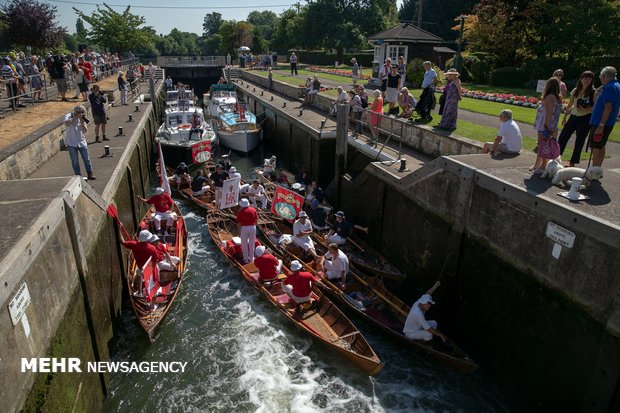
x=185, y=135
x=234, y=124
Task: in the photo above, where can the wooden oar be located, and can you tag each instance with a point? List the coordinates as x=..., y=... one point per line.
x=112, y=212
x=383, y=297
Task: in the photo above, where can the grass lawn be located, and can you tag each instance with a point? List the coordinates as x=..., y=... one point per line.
x=500, y=89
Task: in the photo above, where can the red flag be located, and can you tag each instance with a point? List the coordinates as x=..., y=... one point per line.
x=150, y=275
x=287, y=204
x=201, y=152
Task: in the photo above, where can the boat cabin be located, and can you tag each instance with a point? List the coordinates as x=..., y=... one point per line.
x=237, y=117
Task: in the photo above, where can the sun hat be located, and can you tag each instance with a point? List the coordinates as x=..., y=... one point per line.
x=452, y=71
x=244, y=203
x=144, y=235
x=260, y=250
x=295, y=265
x=159, y=190
x=153, y=238
x=232, y=169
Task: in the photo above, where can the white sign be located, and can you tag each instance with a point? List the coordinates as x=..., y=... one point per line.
x=230, y=193
x=560, y=235
x=540, y=86
x=19, y=303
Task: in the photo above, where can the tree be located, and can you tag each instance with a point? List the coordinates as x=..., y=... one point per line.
x=212, y=23
x=80, y=31
x=30, y=23
x=287, y=32
x=234, y=34
x=119, y=32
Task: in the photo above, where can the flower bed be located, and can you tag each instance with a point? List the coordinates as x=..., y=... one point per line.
x=505, y=98
x=337, y=72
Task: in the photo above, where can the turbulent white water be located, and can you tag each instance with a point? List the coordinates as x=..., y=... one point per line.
x=244, y=356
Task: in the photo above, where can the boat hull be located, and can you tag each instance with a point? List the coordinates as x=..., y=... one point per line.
x=239, y=141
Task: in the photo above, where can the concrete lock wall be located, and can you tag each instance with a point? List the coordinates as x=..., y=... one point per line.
x=70, y=262
x=554, y=344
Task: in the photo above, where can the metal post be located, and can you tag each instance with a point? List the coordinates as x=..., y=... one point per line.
x=420, y=12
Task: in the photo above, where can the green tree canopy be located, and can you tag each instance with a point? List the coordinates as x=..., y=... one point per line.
x=30, y=23
x=212, y=23
x=178, y=43
x=119, y=32
x=287, y=33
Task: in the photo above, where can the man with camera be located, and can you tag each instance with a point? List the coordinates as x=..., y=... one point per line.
x=76, y=125
x=97, y=105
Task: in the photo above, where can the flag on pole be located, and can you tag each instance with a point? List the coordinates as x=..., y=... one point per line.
x=163, y=176
x=287, y=204
x=150, y=276
x=230, y=193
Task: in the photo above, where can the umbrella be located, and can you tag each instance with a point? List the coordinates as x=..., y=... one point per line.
x=244, y=49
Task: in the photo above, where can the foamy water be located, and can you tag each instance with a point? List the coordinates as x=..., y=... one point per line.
x=244, y=356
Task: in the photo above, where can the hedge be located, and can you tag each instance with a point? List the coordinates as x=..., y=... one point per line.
x=509, y=77
x=321, y=58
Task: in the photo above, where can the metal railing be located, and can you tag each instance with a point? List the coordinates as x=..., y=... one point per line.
x=29, y=95
x=191, y=61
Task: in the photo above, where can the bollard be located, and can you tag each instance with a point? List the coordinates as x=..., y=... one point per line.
x=262, y=93
x=130, y=118
x=301, y=112
x=137, y=109
x=247, y=86
x=271, y=99
x=254, y=90
x=120, y=131
x=284, y=104
x=106, y=151
x=403, y=165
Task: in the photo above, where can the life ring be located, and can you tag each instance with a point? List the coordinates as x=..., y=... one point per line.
x=185, y=126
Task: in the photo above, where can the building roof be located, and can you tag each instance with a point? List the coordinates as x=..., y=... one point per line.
x=442, y=49
x=406, y=32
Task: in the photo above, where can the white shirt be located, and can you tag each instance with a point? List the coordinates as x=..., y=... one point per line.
x=342, y=97
x=429, y=76
x=232, y=175
x=511, y=135
x=340, y=263
x=299, y=227
x=415, y=320
x=269, y=165
x=260, y=190
x=74, y=136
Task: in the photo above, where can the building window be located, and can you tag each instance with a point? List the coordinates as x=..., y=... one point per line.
x=395, y=51
x=378, y=54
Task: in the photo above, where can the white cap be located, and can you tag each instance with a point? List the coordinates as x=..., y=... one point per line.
x=232, y=169
x=296, y=186
x=144, y=235
x=244, y=203
x=295, y=265
x=426, y=299
x=302, y=214
x=260, y=250
x=159, y=190
x=153, y=238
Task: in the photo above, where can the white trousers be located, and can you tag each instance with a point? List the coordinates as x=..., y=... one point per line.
x=288, y=289
x=159, y=216
x=202, y=191
x=166, y=265
x=304, y=242
x=248, y=237
x=422, y=334
x=331, y=272
x=262, y=198
x=336, y=239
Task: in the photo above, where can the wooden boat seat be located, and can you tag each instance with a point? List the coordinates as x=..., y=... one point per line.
x=283, y=299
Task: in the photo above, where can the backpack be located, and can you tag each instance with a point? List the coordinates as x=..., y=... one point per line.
x=364, y=100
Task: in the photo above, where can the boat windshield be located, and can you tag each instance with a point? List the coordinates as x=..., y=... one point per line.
x=184, y=118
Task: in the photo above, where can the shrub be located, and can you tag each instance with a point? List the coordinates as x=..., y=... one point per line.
x=508, y=76
x=415, y=72
x=474, y=68
x=322, y=58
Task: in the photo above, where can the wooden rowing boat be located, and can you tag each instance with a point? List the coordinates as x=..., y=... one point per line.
x=367, y=259
x=151, y=313
x=370, y=299
x=324, y=321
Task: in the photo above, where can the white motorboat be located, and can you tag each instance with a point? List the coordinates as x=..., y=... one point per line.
x=185, y=135
x=232, y=120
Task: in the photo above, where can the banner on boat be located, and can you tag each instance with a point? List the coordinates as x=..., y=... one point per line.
x=287, y=204
x=201, y=152
x=230, y=193
x=163, y=176
x=150, y=275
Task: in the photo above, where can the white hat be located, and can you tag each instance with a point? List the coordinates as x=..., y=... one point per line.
x=232, y=169
x=295, y=265
x=426, y=299
x=302, y=214
x=144, y=235
x=153, y=238
x=273, y=157
x=159, y=190
x=244, y=203
x=260, y=250
x=296, y=186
